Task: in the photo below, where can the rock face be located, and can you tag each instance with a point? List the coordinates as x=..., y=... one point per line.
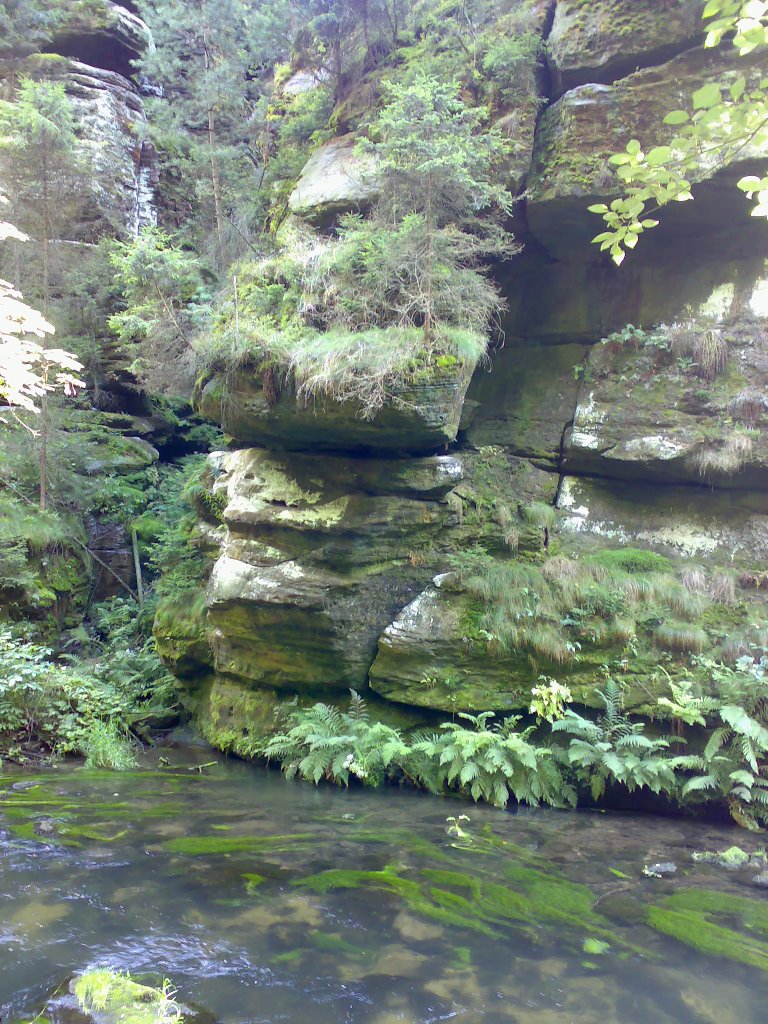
x=579, y=132
x=595, y=499
x=606, y=40
x=91, y=55
x=103, y=34
x=685, y=403
x=319, y=555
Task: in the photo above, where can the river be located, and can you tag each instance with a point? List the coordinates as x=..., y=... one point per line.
x=266, y=900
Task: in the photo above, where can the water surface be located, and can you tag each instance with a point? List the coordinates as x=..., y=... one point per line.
x=268, y=900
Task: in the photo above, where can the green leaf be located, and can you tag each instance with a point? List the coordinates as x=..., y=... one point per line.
x=633, y=147
x=598, y=208
x=707, y=96
x=738, y=87
x=676, y=117
x=658, y=155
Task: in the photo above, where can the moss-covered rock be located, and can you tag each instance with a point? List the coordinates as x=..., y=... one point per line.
x=578, y=134
x=603, y=40
x=336, y=179
x=696, y=525
x=420, y=416
x=319, y=555
x=684, y=402
x=525, y=400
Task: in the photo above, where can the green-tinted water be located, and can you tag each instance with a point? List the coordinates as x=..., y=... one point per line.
x=267, y=900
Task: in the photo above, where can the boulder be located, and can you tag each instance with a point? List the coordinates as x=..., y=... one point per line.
x=335, y=179
x=419, y=416
x=609, y=39
x=577, y=135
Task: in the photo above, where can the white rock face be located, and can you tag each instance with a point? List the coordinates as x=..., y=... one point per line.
x=334, y=179
x=112, y=126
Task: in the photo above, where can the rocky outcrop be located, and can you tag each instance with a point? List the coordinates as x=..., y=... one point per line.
x=420, y=416
x=578, y=134
x=319, y=555
x=91, y=55
x=684, y=402
x=604, y=40
x=117, y=190
x=103, y=34
x=336, y=179
x=594, y=502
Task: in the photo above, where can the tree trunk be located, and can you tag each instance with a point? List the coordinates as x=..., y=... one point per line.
x=428, y=242
x=216, y=183
x=215, y=179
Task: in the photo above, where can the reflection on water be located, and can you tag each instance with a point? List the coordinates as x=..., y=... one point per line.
x=268, y=900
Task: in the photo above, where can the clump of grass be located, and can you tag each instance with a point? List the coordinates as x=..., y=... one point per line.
x=550, y=610
x=694, y=580
x=728, y=459
x=105, y=745
x=633, y=560
x=509, y=531
x=754, y=580
x=708, y=348
x=680, y=638
x=722, y=588
x=748, y=407
x=539, y=514
x=681, y=338
x=367, y=367
x=559, y=568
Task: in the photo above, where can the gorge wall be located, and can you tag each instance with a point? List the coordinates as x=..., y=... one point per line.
x=593, y=500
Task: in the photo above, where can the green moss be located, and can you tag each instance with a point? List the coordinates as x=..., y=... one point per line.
x=467, y=901
x=632, y=560
x=699, y=918
x=213, y=846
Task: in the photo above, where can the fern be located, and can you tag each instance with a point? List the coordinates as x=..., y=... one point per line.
x=615, y=749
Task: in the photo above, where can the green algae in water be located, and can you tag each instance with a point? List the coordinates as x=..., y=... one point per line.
x=253, y=881
x=687, y=916
x=479, y=905
x=212, y=846
x=411, y=892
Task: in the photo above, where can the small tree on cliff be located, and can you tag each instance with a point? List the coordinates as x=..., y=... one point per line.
x=25, y=27
x=418, y=261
